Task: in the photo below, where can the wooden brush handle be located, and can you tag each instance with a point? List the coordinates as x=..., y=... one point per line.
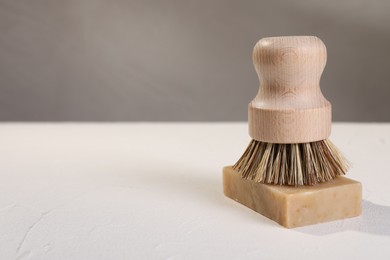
x=289, y=107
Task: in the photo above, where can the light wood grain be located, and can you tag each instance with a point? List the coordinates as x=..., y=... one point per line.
x=289, y=107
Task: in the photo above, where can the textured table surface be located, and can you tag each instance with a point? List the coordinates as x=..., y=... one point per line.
x=138, y=190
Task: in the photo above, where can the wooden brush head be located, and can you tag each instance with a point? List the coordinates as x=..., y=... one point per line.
x=289, y=107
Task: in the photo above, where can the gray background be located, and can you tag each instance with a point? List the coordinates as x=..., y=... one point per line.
x=174, y=60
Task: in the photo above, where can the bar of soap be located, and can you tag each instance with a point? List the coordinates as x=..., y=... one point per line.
x=296, y=206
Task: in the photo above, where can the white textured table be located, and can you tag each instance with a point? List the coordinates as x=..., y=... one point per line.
x=136, y=191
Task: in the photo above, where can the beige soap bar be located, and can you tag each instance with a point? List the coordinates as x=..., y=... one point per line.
x=296, y=206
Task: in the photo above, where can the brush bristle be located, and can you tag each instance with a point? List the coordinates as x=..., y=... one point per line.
x=291, y=164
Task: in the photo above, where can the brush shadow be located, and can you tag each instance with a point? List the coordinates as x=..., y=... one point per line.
x=375, y=219
x=195, y=184
x=192, y=184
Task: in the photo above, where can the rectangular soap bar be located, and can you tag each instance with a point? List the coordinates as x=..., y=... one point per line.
x=296, y=206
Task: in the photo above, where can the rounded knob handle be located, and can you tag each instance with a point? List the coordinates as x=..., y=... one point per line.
x=289, y=107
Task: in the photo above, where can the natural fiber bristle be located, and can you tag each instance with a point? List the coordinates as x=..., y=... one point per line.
x=291, y=164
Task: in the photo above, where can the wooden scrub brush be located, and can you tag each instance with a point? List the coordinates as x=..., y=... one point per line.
x=289, y=119
x=290, y=122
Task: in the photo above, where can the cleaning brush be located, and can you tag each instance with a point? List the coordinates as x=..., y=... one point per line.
x=289, y=119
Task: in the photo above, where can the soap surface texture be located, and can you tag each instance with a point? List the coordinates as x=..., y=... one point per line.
x=296, y=206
